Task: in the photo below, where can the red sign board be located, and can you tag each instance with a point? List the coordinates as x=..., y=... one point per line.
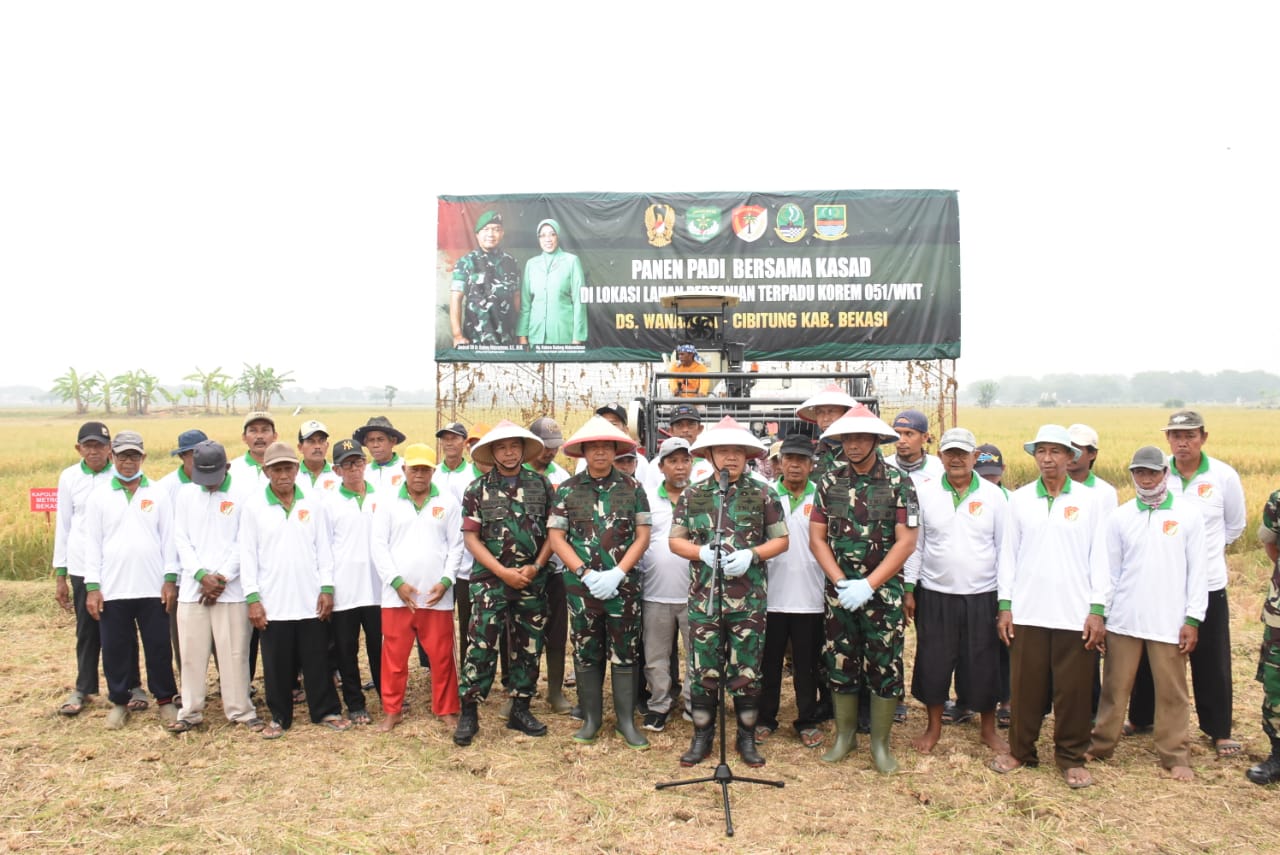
x=44, y=499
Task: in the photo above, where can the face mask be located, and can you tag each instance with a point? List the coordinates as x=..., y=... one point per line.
x=124, y=480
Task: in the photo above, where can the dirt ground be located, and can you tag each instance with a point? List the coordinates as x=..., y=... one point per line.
x=67, y=784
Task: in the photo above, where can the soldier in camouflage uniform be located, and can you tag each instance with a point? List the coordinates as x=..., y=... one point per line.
x=1268, y=771
x=862, y=530
x=599, y=528
x=484, y=298
x=504, y=526
x=822, y=410
x=754, y=530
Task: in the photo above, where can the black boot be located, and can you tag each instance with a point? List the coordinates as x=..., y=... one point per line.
x=746, y=741
x=704, y=733
x=522, y=720
x=468, y=724
x=1268, y=771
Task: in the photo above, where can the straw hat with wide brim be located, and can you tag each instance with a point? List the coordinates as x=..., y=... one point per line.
x=597, y=429
x=482, y=452
x=728, y=432
x=832, y=396
x=859, y=419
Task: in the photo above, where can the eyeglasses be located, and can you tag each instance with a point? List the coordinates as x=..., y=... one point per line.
x=353, y=463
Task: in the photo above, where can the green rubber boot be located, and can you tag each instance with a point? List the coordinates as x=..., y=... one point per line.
x=591, y=699
x=624, y=707
x=555, y=687
x=846, y=715
x=882, y=710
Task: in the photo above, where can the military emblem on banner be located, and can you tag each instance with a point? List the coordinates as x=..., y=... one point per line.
x=659, y=223
x=789, y=224
x=702, y=223
x=829, y=222
x=750, y=222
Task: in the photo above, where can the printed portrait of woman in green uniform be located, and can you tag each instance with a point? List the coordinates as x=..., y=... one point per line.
x=551, y=310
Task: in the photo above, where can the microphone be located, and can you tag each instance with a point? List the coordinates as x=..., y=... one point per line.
x=724, y=480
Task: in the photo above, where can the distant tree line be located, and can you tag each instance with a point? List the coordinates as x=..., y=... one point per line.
x=134, y=392
x=1174, y=388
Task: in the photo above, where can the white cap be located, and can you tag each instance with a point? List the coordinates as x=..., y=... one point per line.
x=1083, y=436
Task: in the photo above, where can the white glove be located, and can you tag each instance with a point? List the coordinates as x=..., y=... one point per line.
x=853, y=592
x=736, y=563
x=604, y=585
x=708, y=554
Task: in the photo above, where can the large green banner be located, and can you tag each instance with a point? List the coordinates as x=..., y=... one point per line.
x=841, y=274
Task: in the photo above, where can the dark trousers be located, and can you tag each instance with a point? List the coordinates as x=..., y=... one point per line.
x=1210, y=675
x=288, y=645
x=347, y=625
x=122, y=622
x=555, y=636
x=89, y=645
x=1051, y=664
x=805, y=632
x=462, y=606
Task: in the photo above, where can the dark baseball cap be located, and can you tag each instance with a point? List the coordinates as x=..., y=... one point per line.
x=94, y=432
x=797, y=443
x=548, y=430
x=208, y=463
x=453, y=427
x=345, y=448
x=685, y=412
x=614, y=408
x=912, y=420
x=188, y=440
x=990, y=461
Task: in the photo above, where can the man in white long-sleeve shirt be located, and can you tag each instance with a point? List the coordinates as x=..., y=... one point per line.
x=417, y=549
x=211, y=607
x=130, y=576
x=1053, y=580
x=286, y=567
x=1215, y=488
x=1155, y=551
x=951, y=590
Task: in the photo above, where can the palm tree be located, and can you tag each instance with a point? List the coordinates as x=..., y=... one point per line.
x=263, y=384
x=208, y=381
x=72, y=386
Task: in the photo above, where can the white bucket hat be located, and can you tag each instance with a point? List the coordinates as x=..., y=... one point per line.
x=482, y=452
x=728, y=432
x=832, y=396
x=597, y=429
x=1053, y=434
x=859, y=419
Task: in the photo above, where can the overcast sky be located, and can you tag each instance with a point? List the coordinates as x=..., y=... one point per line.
x=211, y=184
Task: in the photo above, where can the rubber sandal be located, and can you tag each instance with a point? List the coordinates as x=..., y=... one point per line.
x=812, y=737
x=299, y=696
x=1003, y=717
x=763, y=732
x=255, y=725
x=181, y=726
x=272, y=731
x=1080, y=780
x=336, y=723
x=360, y=717
x=1227, y=748
x=72, y=705
x=996, y=766
x=138, y=702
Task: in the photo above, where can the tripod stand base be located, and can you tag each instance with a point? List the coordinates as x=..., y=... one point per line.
x=723, y=776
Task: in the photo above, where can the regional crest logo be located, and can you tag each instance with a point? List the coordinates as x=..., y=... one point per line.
x=304, y=515
x=396, y=479
x=789, y=224
x=975, y=509
x=659, y=223
x=1205, y=491
x=750, y=222
x=146, y=505
x=437, y=512
x=225, y=508
x=702, y=223
x=1171, y=527
x=830, y=221
x=1071, y=514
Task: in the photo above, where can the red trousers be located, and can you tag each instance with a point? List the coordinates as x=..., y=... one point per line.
x=434, y=629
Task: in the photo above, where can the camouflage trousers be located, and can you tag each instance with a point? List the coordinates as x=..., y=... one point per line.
x=865, y=645
x=522, y=615
x=603, y=630
x=1269, y=677
x=746, y=653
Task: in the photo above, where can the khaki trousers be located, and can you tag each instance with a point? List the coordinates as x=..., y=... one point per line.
x=1173, y=708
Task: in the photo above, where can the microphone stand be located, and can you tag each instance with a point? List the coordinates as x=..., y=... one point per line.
x=722, y=774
